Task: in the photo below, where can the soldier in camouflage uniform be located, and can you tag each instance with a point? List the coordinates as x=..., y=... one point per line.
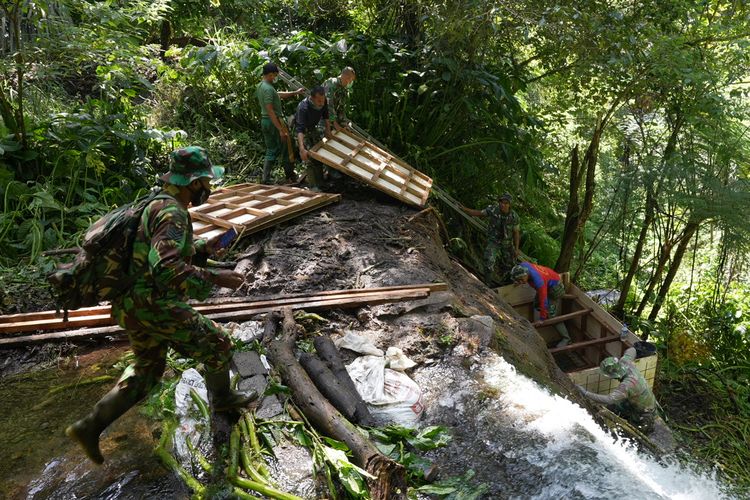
x=155, y=312
x=632, y=399
x=310, y=123
x=503, y=237
x=337, y=93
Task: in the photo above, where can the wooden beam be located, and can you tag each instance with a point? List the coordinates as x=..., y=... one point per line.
x=583, y=345
x=100, y=316
x=564, y=317
x=316, y=303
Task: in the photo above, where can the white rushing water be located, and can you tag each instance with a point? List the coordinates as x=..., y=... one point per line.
x=576, y=458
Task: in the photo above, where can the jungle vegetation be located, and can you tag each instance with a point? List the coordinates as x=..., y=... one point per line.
x=622, y=129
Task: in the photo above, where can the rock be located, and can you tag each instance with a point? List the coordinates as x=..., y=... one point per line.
x=480, y=327
x=247, y=364
x=255, y=383
x=270, y=407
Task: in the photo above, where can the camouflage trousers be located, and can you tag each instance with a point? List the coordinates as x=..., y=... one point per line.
x=155, y=327
x=501, y=254
x=314, y=167
x=644, y=420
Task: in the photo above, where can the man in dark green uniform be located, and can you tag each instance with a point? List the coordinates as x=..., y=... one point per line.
x=503, y=237
x=155, y=312
x=337, y=93
x=310, y=123
x=275, y=133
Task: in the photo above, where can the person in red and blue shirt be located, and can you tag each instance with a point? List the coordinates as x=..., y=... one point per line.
x=549, y=289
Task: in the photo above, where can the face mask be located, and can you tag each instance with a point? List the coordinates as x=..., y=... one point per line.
x=199, y=197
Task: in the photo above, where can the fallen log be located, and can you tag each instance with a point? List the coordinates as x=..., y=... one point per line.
x=329, y=385
x=390, y=479
x=331, y=356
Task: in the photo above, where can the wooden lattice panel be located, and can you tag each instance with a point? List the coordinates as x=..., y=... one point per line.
x=355, y=156
x=253, y=207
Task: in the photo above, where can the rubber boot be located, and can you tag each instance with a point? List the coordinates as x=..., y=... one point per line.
x=314, y=176
x=291, y=176
x=266, y=178
x=224, y=398
x=87, y=430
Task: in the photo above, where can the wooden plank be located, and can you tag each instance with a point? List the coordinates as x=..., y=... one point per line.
x=563, y=317
x=583, y=345
x=100, y=316
x=321, y=303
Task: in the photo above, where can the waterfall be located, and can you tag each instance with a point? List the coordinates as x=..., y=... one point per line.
x=578, y=459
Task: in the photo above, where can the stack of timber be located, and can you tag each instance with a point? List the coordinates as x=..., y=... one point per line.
x=96, y=321
x=357, y=157
x=595, y=335
x=253, y=207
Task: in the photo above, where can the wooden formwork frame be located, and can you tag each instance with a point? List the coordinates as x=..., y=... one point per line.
x=601, y=330
x=249, y=208
x=357, y=157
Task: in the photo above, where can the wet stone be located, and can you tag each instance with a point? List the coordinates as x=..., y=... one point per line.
x=255, y=383
x=248, y=364
x=270, y=407
x=480, y=327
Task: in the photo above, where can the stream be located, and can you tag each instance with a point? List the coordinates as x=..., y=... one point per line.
x=524, y=442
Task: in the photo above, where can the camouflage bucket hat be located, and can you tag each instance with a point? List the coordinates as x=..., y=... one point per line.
x=518, y=272
x=188, y=164
x=612, y=368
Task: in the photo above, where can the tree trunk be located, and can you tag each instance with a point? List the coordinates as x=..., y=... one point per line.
x=666, y=252
x=391, y=477
x=329, y=385
x=577, y=214
x=687, y=235
x=571, y=216
x=328, y=353
x=650, y=214
x=619, y=308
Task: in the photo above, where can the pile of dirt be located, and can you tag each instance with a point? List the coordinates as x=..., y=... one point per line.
x=362, y=244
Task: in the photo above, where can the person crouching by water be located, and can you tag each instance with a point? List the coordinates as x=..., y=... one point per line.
x=632, y=399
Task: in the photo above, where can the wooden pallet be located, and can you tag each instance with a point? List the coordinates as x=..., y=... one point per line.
x=226, y=309
x=253, y=207
x=357, y=157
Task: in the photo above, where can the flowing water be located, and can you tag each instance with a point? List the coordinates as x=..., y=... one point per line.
x=522, y=441
x=525, y=442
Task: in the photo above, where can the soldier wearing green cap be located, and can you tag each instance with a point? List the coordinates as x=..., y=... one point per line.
x=155, y=312
x=632, y=399
x=503, y=237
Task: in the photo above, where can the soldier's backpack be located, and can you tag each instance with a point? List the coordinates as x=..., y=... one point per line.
x=101, y=268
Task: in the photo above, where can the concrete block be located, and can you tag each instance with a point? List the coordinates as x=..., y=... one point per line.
x=247, y=364
x=255, y=383
x=270, y=407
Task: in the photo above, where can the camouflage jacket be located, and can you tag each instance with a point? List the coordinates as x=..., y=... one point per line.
x=337, y=96
x=500, y=226
x=162, y=254
x=633, y=388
